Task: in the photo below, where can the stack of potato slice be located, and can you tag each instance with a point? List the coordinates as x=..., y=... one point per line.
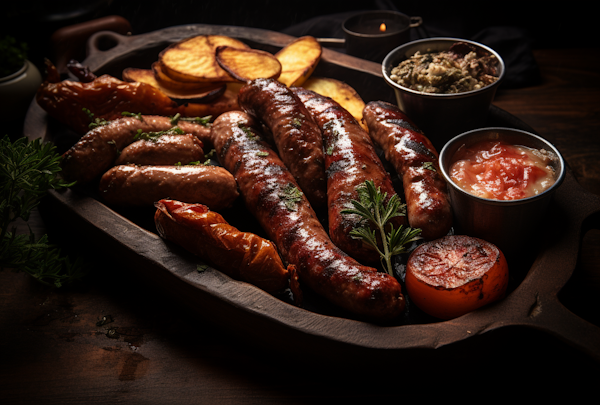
x=205, y=67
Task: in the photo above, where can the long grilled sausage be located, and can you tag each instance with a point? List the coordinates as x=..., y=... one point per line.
x=416, y=161
x=272, y=195
x=297, y=137
x=350, y=160
x=97, y=150
x=167, y=149
x=131, y=185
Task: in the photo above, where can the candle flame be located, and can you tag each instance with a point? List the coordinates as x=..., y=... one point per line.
x=382, y=27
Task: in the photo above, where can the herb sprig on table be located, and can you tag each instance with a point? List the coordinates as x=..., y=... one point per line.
x=27, y=171
x=373, y=210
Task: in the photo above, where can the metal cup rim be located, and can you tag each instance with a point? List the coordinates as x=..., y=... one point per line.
x=386, y=66
x=457, y=139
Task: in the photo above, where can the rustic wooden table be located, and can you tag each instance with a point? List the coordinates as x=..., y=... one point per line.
x=113, y=340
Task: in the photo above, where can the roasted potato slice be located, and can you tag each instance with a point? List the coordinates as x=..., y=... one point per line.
x=298, y=60
x=179, y=86
x=341, y=92
x=194, y=60
x=203, y=94
x=248, y=64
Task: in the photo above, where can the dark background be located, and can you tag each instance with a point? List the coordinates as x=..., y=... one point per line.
x=543, y=24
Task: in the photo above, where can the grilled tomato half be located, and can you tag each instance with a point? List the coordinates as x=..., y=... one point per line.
x=454, y=275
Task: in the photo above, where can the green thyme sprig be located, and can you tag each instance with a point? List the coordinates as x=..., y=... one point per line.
x=373, y=210
x=196, y=120
x=27, y=171
x=95, y=122
x=154, y=136
x=291, y=196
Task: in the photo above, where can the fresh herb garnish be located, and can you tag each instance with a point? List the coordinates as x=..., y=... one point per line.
x=291, y=196
x=262, y=153
x=197, y=120
x=154, y=136
x=247, y=131
x=429, y=166
x=96, y=122
x=373, y=210
x=27, y=171
x=139, y=116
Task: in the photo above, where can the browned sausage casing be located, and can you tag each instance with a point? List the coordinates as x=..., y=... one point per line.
x=166, y=150
x=416, y=161
x=130, y=185
x=297, y=137
x=270, y=193
x=350, y=160
x=97, y=150
x=205, y=233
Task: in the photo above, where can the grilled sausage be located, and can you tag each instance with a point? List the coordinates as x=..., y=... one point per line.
x=205, y=233
x=350, y=160
x=165, y=150
x=130, y=185
x=272, y=195
x=416, y=161
x=97, y=150
x=298, y=139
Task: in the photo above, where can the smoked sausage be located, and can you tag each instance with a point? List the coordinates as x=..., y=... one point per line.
x=131, y=185
x=350, y=160
x=296, y=136
x=205, y=233
x=97, y=151
x=273, y=196
x=416, y=161
x=167, y=149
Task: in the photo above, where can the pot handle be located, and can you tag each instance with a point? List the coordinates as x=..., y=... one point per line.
x=69, y=42
x=415, y=22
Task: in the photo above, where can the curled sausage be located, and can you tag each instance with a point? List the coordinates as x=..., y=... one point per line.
x=165, y=150
x=416, y=161
x=350, y=160
x=107, y=97
x=205, y=233
x=297, y=137
x=130, y=185
x=273, y=196
x=97, y=150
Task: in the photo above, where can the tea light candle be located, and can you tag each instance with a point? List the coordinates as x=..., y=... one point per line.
x=372, y=35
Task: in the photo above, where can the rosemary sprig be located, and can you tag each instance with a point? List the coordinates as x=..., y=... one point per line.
x=27, y=171
x=373, y=210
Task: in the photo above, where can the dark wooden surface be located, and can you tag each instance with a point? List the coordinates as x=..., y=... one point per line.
x=54, y=351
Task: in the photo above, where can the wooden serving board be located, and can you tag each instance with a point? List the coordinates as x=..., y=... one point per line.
x=317, y=330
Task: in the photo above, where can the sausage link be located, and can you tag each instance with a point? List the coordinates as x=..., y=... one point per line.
x=416, y=161
x=272, y=195
x=166, y=150
x=205, y=233
x=297, y=137
x=350, y=160
x=130, y=185
x=97, y=150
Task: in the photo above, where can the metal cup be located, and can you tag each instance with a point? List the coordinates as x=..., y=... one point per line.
x=505, y=223
x=441, y=116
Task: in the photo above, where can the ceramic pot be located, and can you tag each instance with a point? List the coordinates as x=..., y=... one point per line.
x=17, y=91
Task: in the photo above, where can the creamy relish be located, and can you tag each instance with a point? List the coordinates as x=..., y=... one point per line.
x=500, y=171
